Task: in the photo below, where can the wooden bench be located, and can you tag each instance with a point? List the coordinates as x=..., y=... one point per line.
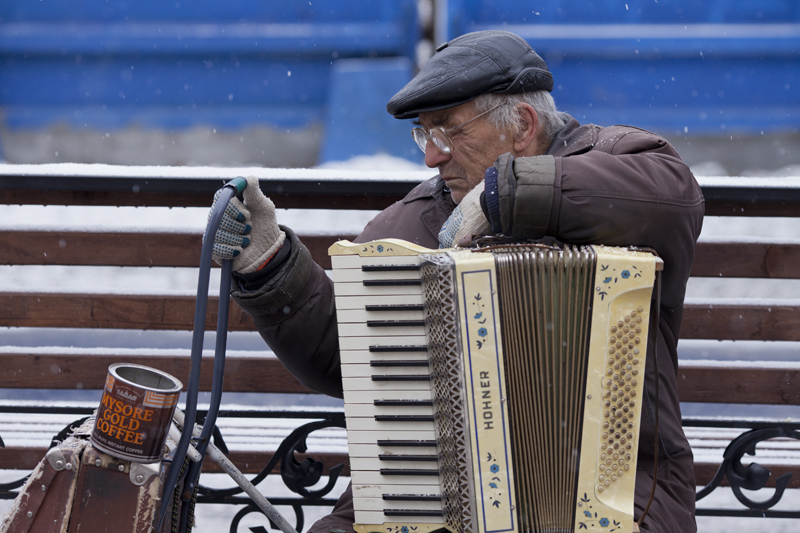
x=704, y=382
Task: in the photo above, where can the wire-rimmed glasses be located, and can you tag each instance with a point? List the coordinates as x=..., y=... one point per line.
x=440, y=136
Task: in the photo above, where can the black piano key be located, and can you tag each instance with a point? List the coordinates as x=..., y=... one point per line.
x=391, y=282
x=395, y=323
x=399, y=348
x=411, y=512
x=404, y=418
x=408, y=472
x=393, y=308
x=399, y=363
x=413, y=497
x=403, y=403
x=410, y=377
x=388, y=268
x=430, y=458
x=407, y=443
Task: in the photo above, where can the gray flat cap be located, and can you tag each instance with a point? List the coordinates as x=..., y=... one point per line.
x=489, y=61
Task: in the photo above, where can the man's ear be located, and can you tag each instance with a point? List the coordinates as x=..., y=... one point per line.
x=525, y=136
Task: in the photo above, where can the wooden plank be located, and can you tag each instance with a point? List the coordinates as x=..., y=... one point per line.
x=700, y=321
x=715, y=384
x=751, y=208
x=58, y=310
x=717, y=259
x=88, y=371
x=779, y=322
x=251, y=462
x=330, y=190
x=708, y=384
x=747, y=260
x=192, y=199
x=156, y=249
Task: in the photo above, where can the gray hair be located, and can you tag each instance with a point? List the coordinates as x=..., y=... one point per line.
x=505, y=118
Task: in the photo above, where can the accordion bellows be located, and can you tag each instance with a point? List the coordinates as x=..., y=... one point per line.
x=492, y=390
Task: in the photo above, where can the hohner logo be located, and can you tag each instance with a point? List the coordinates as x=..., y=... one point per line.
x=487, y=413
x=483, y=358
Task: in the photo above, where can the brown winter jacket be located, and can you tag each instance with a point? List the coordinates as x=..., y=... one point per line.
x=615, y=186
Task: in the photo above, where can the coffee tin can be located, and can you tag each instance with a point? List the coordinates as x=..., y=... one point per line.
x=135, y=412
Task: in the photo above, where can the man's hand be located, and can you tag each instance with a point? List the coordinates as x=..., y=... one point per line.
x=467, y=220
x=249, y=232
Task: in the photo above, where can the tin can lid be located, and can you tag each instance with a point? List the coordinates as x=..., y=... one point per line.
x=145, y=377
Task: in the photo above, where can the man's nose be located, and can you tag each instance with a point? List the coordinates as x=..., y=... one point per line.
x=433, y=156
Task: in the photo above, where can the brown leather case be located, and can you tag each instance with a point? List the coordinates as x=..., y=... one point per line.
x=77, y=489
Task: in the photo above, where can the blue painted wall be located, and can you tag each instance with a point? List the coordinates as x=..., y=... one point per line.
x=697, y=67
x=172, y=65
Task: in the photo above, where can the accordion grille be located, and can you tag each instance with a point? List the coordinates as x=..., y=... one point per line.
x=545, y=303
x=446, y=366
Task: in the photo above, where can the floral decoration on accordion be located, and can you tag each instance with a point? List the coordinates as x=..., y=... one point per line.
x=400, y=528
x=590, y=518
x=376, y=248
x=611, y=277
x=480, y=319
x=495, y=482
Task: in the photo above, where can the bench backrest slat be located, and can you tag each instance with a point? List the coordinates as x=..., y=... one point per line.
x=729, y=259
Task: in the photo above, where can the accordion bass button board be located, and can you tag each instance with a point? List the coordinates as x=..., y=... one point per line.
x=492, y=390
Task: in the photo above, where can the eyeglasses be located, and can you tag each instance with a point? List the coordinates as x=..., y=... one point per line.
x=440, y=136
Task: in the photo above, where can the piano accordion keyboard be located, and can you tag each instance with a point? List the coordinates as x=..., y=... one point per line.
x=390, y=427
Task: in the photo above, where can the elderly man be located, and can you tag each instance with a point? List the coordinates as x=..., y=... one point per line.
x=483, y=102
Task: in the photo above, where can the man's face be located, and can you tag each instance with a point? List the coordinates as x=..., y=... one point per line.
x=475, y=147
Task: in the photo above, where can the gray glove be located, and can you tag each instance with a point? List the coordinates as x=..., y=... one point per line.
x=248, y=232
x=466, y=220
x=519, y=195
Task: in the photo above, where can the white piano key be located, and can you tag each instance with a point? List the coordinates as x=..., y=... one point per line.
x=373, y=477
x=399, y=429
x=373, y=463
x=363, y=409
x=362, y=315
x=364, y=343
x=358, y=289
x=379, y=504
x=363, y=384
x=373, y=450
x=377, y=491
x=358, y=275
x=364, y=357
x=375, y=518
x=355, y=261
x=360, y=302
x=362, y=330
x=372, y=437
x=367, y=371
x=367, y=397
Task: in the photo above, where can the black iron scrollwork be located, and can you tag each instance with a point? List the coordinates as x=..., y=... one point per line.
x=294, y=476
x=298, y=513
x=752, y=476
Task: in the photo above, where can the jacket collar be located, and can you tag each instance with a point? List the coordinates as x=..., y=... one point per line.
x=432, y=188
x=573, y=138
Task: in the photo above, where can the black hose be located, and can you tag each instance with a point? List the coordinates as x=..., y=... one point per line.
x=193, y=474
x=201, y=305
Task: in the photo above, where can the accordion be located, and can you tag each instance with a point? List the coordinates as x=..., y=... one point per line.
x=491, y=390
